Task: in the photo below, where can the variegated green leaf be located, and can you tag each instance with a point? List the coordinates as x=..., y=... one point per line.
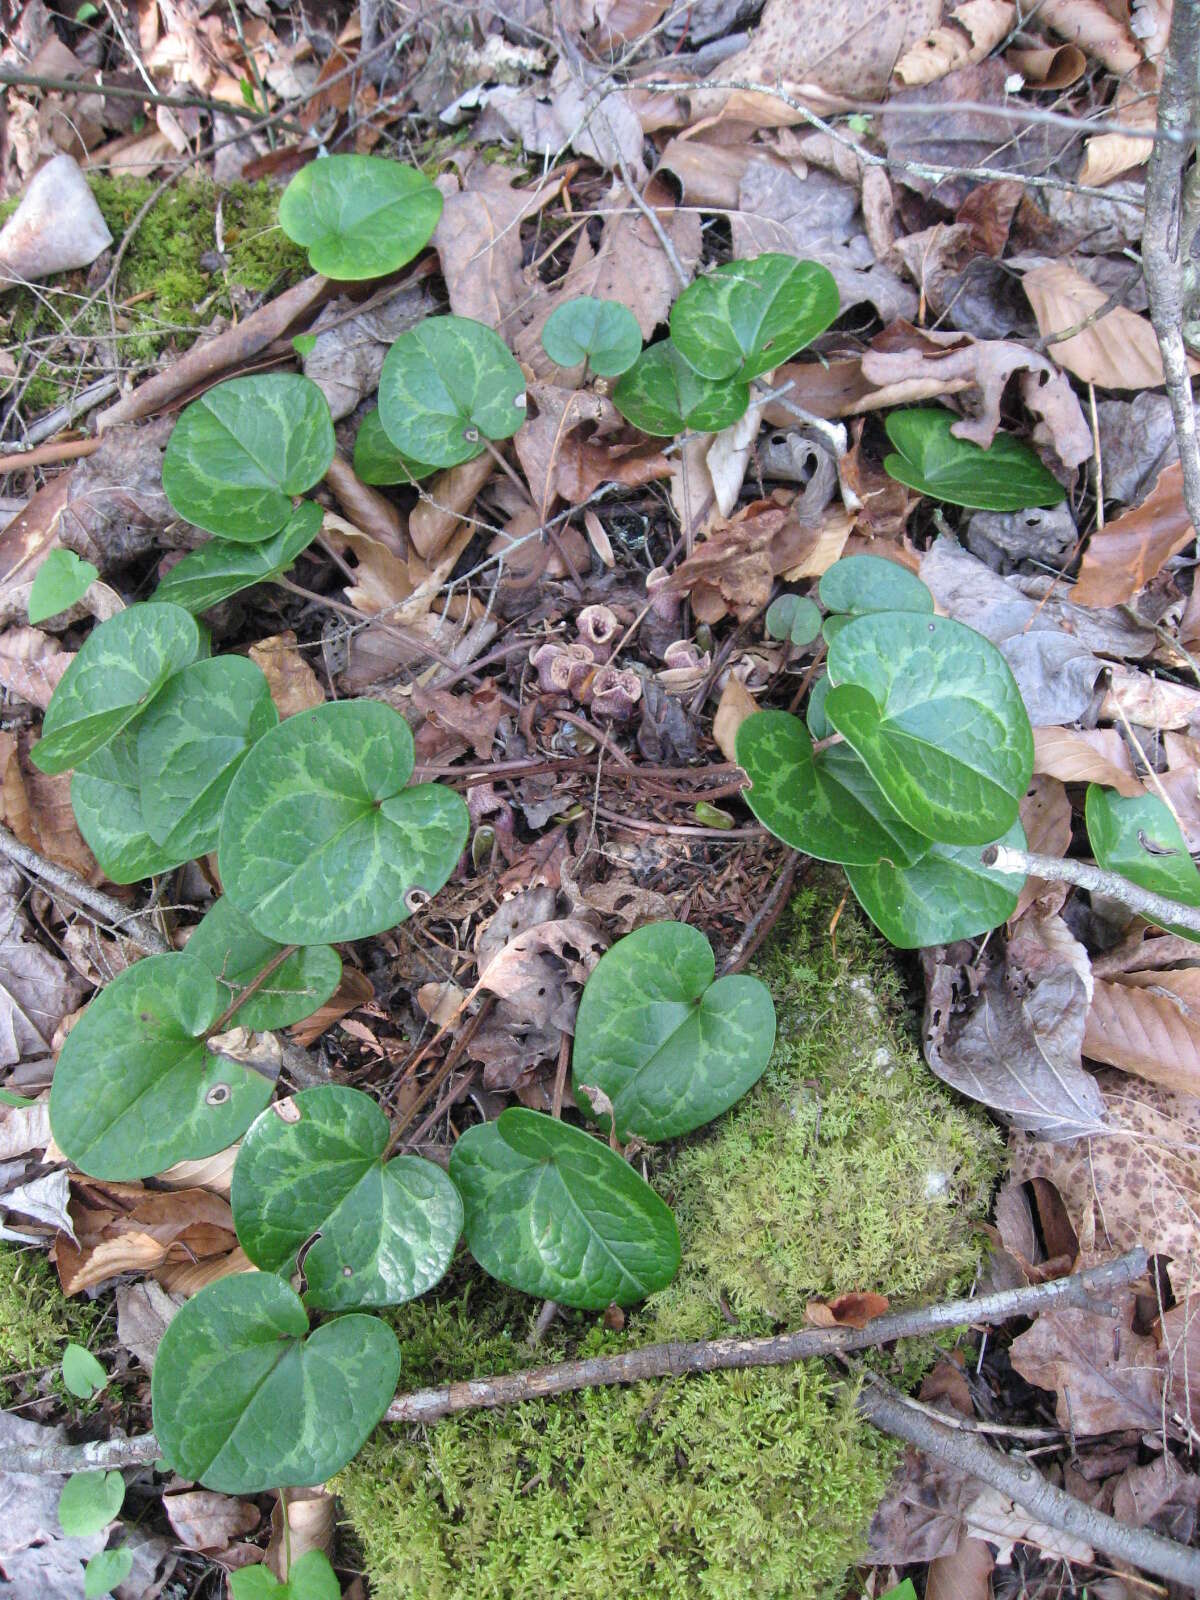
x=662, y=395
x=136, y=1089
x=222, y=568
x=321, y=841
x=1137, y=837
x=235, y=954
x=238, y=455
x=384, y=1231
x=859, y=584
x=748, y=316
x=446, y=386
x=668, y=1048
x=604, y=333
x=359, y=216
x=123, y=664
x=190, y=744
x=246, y=1399
x=376, y=459
x=106, y=800
x=948, y=894
x=556, y=1213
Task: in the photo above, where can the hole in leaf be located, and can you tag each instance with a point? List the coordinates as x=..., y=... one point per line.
x=219, y=1095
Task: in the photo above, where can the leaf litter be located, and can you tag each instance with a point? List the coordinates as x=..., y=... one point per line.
x=984, y=264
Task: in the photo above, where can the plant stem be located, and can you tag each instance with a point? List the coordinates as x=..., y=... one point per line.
x=239, y=999
x=134, y=925
x=1083, y=875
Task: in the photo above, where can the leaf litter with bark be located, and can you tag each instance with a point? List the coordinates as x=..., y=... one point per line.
x=992, y=260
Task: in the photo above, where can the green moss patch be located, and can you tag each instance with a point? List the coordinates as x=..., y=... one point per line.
x=36, y=1318
x=848, y=1167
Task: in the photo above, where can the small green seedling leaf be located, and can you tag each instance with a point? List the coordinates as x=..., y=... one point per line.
x=136, y=1089
x=359, y=216
x=8, y=1098
x=1137, y=837
x=222, y=568
x=309, y=1578
x=825, y=803
x=794, y=618
x=819, y=725
x=446, y=386
x=668, y=1047
x=662, y=395
x=933, y=710
x=90, y=1501
x=245, y=1398
x=82, y=1373
x=239, y=454
x=604, y=333
x=106, y=1571
x=553, y=1212
x=304, y=344
x=61, y=580
x=235, y=953
x=190, y=744
x=748, y=316
x=376, y=459
x=321, y=841
x=106, y=800
x=858, y=585
x=1007, y=476
x=948, y=894
x=122, y=666
x=385, y=1230
x=905, y=1590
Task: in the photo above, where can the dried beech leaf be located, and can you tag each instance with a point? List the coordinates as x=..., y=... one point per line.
x=1122, y=557
x=293, y=683
x=1150, y=1028
x=1097, y=755
x=1120, y=351
x=970, y=32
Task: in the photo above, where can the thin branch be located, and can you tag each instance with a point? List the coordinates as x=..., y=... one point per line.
x=1163, y=247
x=886, y=1410
x=134, y=924
x=658, y=1361
x=116, y=91
x=1083, y=875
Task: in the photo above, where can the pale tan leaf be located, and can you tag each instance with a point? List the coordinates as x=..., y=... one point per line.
x=1095, y=755
x=188, y=1278
x=310, y=1520
x=31, y=663
x=970, y=32
x=382, y=578
x=205, y=1520
x=24, y=1128
x=1152, y=1030
x=210, y=1172
x=1149, y=702
x=1094, y=27
x=1050, y=67
x=444, y=501
x=1120, y=351
x=965, y=1575
x=994, y=1518
x=293, y=683
x=1046, y=818
x=478, y=239
x=825, y=544
x=353, y=990
x=736, y=704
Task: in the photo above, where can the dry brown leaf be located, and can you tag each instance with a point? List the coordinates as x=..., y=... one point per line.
x=365, y=507
x=444, y=501
x=144, y=1311
x=969, y=33
x=1180, y=1354
x=31, y=663
x=584, y=465
x=478, y=240
x=122, y=1227
x=1136, y=1184
x=531, y=972
x=354, y=990
x=310, y=1520
x=993, y=1517
x=824, y=545
x=734, y=568
x=1046, y=818
x=208, y=1172
x=1120, y=351
x=1050, y=67
x=293, y=683
x=36, y=806
x=24, y=1129
x=383, y=577
x=187, y=1278
x=555, y=416
x=473, y=717
x=736, y=704
x=1104, y=1374
x=1149, y=702
x=1094, y=755
x=37, y=988
x=205, y=1520
x=1135, y=105
x=1123, y=556
x=965, y=1575
x=852, y=1310
x=1150, y=1026
x=1095, y=28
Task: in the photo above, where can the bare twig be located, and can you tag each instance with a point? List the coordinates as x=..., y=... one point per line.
x=1164, y=249
x=661, y=1361
x=764, y=919
x=1083, y=875
x=117, y=91
x=135, y=925
x=886, y=1410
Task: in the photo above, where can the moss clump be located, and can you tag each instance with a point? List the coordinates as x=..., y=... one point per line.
x=171, y=284
x=848, y=1167
x=36, y=1318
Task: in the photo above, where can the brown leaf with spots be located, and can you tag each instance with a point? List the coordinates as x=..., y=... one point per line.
x=1122, y=558
x=293, y=683
x=1135, y=1184
x=1105, y=1375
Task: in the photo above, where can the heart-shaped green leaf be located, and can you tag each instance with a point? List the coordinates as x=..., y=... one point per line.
x=934, y=712
x=190, y=744
x=246, y=1399
x=106, y=1570
x=604, y=333
x=61, y=580
x=748, y=316
x=136, y=1089
x=321, y=841
x=310, y=1577
x=794, y=618
x=106, y=800
x=384, y=1230
x=1137, y=837
x=446, y=386
x=553, y=1212
x=359, y=216
x=949, y=894
x=235, y=954
x=89, y=1501
x=123, y=664
x=376, y=459
x=858, y=585
x=238, y=454
x=1007, y=476
x=824, y=803
x=669, y=1048
x=82, y=1373
x=222, y=568
x=662, y=395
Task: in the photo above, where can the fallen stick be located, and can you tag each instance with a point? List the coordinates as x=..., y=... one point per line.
x=1083, y=875
x=135, y=925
